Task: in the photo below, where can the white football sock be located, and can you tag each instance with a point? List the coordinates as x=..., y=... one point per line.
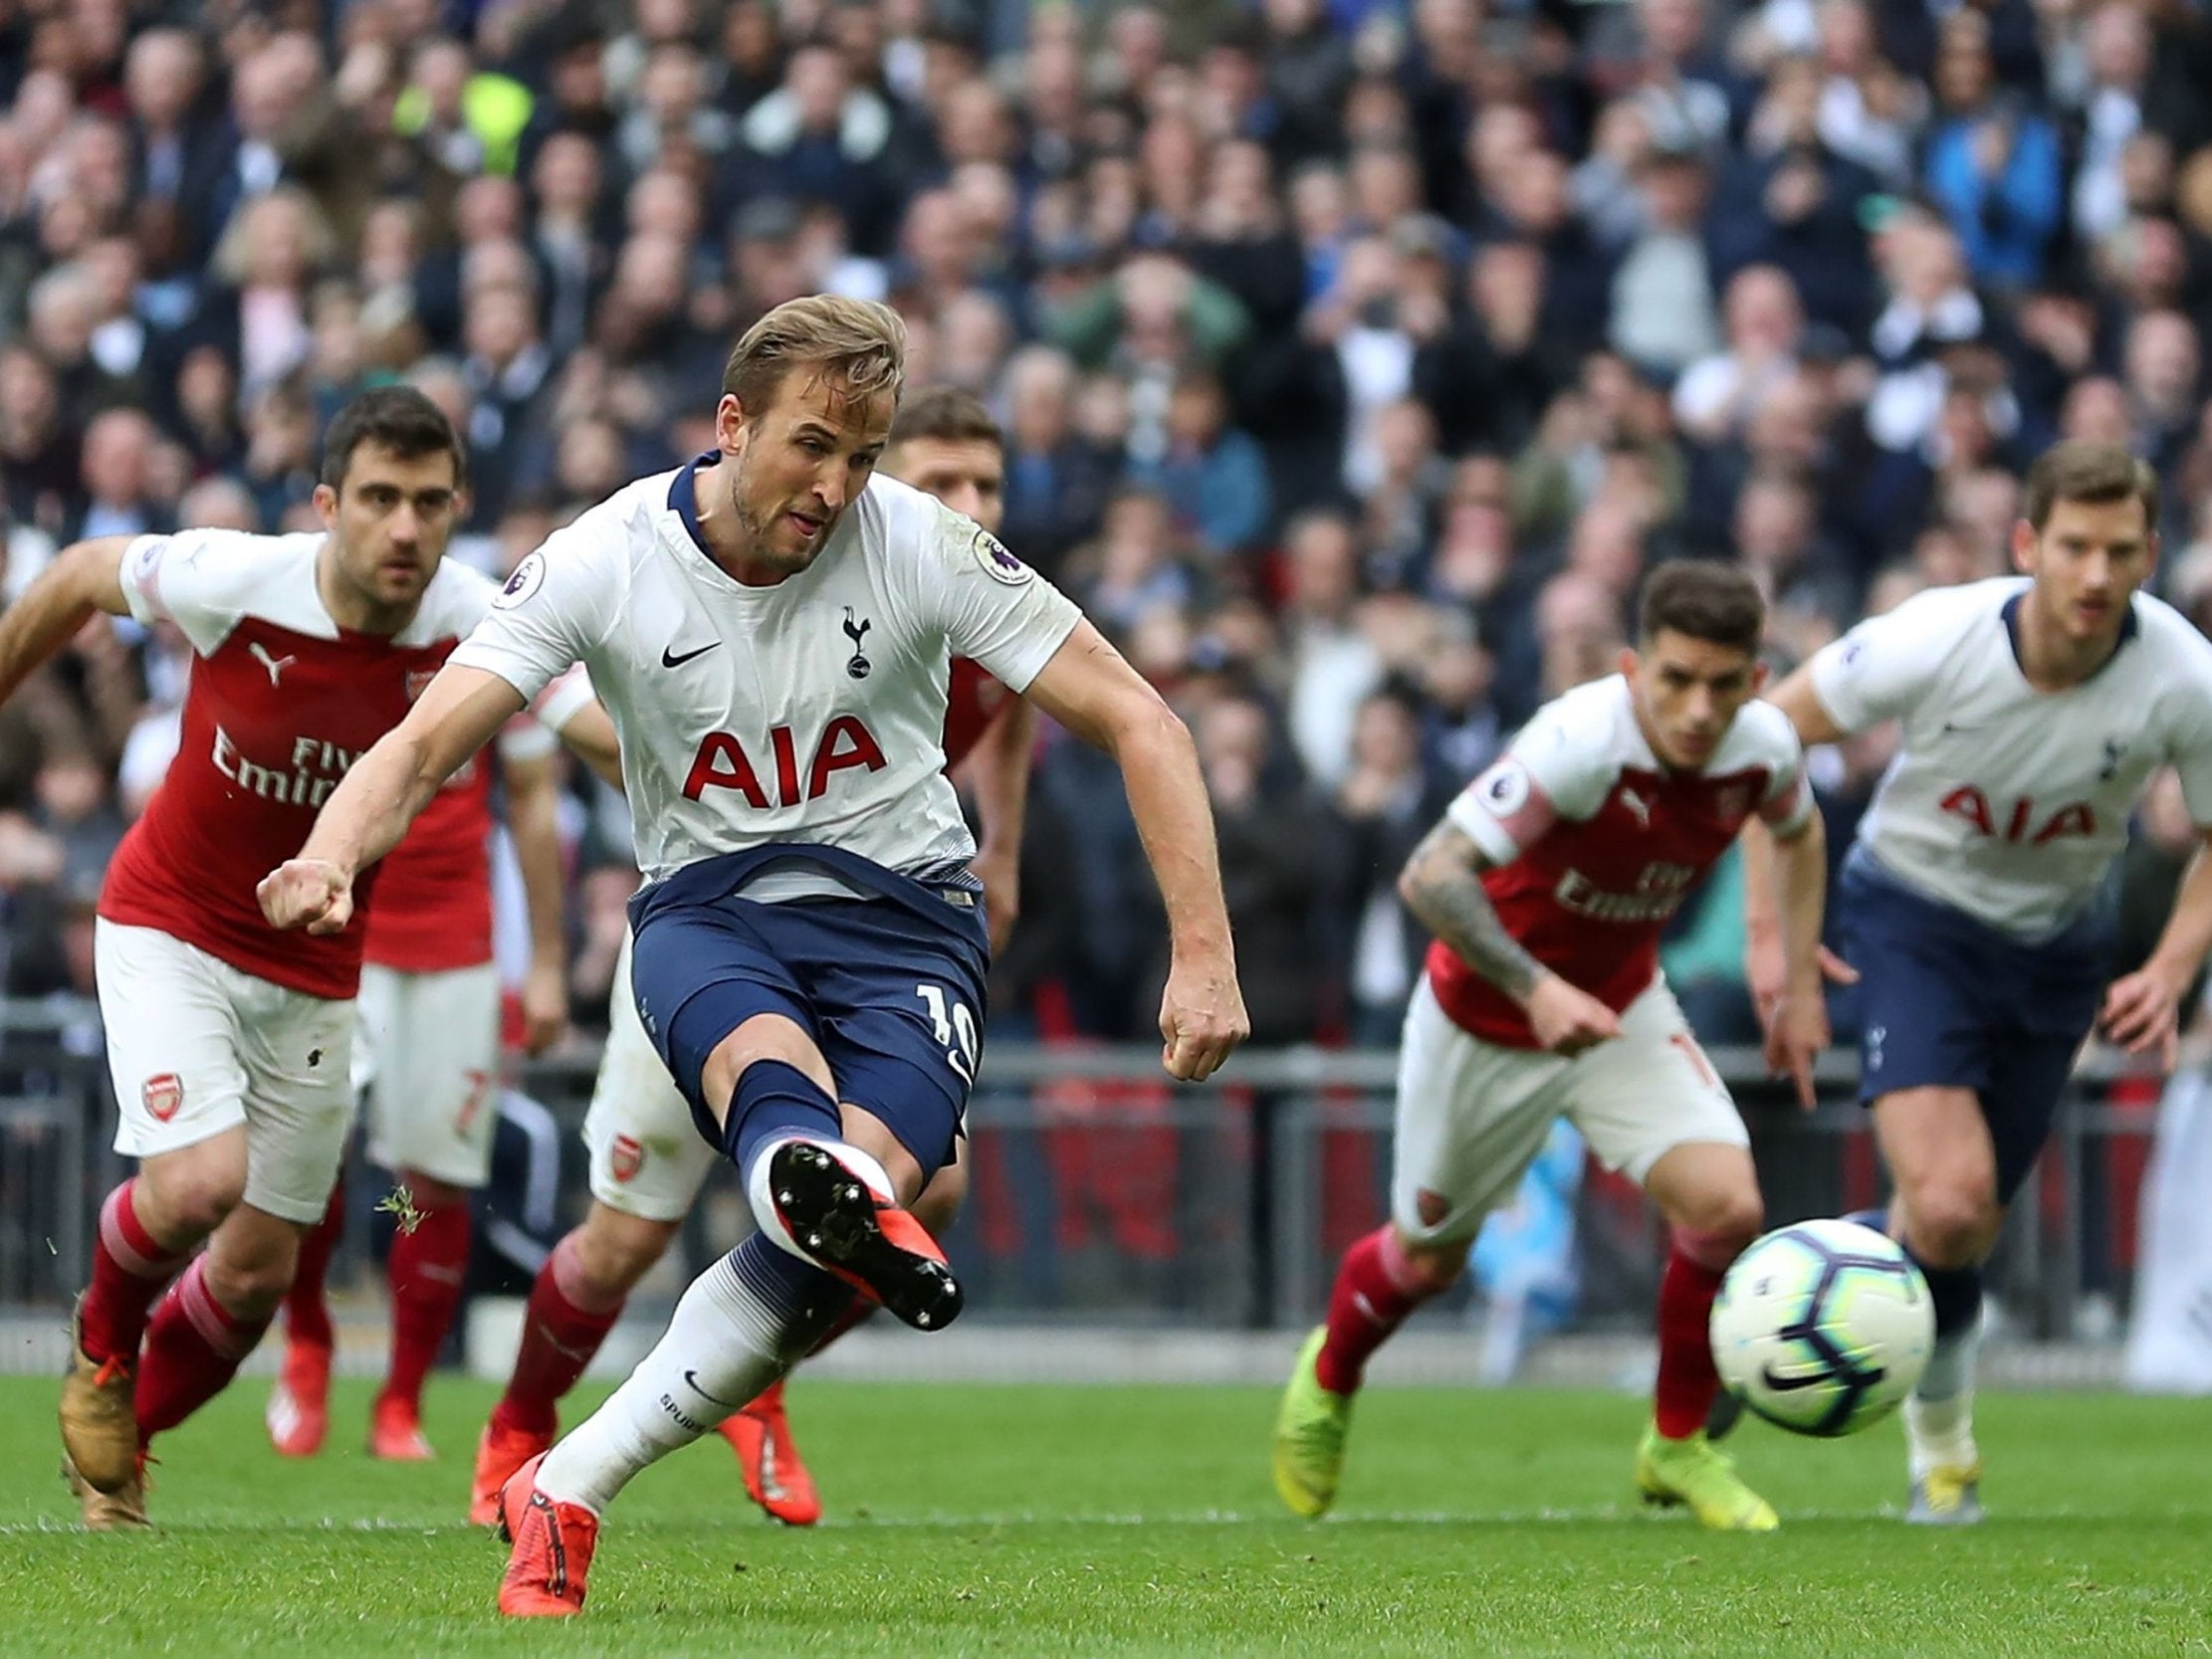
x=721, y=1349
x=764, y=1201
x=1939, y=1417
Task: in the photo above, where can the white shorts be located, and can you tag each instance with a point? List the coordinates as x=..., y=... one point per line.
x=197, y=1047
x=428, y=1056
x=648, y=1159
x=1472, y=1115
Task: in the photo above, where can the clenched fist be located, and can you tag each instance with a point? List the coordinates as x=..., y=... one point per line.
x=309, y=893
x=1201, y=1014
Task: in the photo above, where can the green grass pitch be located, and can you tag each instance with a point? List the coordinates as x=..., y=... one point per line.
x=1140, y=1521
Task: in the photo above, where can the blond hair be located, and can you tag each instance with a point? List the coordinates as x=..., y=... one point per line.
x=858, y=345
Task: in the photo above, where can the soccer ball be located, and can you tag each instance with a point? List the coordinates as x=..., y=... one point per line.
x=1823, y=1328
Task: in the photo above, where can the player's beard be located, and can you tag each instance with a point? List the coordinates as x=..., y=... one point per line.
x=758, y=531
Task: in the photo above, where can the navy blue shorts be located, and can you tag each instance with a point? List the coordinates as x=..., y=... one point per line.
x=1947, y=1001
x=890, y=988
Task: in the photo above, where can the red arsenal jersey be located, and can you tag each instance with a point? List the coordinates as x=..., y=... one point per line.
x=433, y=909
x=281, y=701
x=972, y=699
x=1595, y=843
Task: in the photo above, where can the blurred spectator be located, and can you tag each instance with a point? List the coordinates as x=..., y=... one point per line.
x=1212, y=477
x=1389, y=800
x=1275, y=862
x=1356, y=362
x=1331, y=664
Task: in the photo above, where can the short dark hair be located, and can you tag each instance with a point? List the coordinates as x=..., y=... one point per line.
x=946, y=415
x=395, y=418
x=2080, y=470
x=1703, y=599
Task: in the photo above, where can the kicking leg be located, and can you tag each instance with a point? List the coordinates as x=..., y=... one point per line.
x=775, y=1476
x=824, y=1190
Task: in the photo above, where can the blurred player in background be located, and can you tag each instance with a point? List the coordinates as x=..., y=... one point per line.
x=228, y=1044
x=2035, y=712
x=1547, y=885
x=427, y=1057
x=647, y=1163
x=769, y=626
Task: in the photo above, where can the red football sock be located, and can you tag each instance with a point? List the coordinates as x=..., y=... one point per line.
x=194, y=1348
x=1376, y=1288
x=129, y=1269
x=426, y=1270
x=559, y=1337
x=306, y=1315
x=1687, y=1381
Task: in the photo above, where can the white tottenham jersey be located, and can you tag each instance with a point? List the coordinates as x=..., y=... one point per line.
x=811, y=711
x=2003, y=801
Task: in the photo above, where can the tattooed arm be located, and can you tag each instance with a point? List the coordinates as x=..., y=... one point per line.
x=1442, y=885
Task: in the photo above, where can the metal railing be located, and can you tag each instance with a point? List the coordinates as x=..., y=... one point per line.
x=1103, y=1191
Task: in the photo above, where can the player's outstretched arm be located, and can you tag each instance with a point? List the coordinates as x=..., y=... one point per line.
x=998, y=773
x=86, y=578
x=1796, y=1022
x=2143, y=1011
x=1441, y=885
x=533, y=820
x=1089, y=689
x=457, y=714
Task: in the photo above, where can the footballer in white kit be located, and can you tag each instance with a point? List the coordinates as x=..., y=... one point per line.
x=770, y=630
x=647, y=1161
x=2035, y=711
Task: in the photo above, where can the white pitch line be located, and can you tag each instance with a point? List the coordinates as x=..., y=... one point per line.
x=1194, y=1518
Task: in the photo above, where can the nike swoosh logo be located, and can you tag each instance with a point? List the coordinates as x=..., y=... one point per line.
x=691, y=1381
x=670, y=660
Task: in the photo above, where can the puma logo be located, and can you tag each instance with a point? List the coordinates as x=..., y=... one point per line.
x=275, y=664
x=1638, y=806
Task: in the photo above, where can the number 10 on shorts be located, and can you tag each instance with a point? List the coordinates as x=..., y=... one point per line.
x=955, y=1029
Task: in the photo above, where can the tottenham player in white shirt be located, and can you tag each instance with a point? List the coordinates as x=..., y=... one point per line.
x=647, y=1163
x=2035, y=712
x=770, y=628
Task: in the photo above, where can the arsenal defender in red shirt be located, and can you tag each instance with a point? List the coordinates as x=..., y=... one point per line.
x=229, y=1043
x=1547, y=885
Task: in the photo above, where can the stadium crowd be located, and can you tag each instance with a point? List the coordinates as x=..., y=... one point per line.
x=1355, y=361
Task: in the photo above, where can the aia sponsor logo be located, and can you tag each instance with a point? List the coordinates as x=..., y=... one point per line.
x=161, y=1094
x=2024, y=823
x=722, y=763
x=626, y=1158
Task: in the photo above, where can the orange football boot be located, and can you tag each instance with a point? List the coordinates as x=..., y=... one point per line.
x=774, y=1478
x=552, y=1549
